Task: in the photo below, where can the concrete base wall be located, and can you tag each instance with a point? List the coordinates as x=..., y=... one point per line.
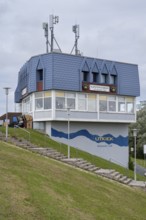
x=106, y=140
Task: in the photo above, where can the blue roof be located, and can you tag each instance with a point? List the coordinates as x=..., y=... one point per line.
x=65, y=72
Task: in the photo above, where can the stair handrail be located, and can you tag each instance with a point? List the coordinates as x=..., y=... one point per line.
x=17, y=126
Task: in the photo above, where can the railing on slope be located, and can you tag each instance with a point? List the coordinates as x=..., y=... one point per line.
x=23, y=129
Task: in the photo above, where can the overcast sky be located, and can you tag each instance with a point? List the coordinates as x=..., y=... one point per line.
x=109, y=29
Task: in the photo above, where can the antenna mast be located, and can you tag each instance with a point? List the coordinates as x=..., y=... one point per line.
x=75, y=29
x=53, y=20
x=45, y=27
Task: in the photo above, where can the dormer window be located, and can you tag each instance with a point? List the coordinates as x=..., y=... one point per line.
x=104, y=78
x=40, y=79
x=113, y=79
x=40, y=75
x=95, y=77
x=85, y=76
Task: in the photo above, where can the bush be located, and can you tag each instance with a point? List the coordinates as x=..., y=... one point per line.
x=131, y=164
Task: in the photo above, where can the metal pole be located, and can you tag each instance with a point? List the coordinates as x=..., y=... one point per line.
x=135, y=158
x=52, y=38
x=68, y=112
x=6, y=92
x=135, y=135
x=6, y=117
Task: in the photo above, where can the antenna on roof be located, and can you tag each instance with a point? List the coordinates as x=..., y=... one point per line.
x=45, y=27
x=53, y=20
x=75, y=29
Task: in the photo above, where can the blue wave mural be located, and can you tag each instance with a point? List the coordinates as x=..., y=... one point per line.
x=107, y=138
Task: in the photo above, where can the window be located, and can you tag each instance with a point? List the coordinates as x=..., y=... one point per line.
x=111, y=103
x=70, y=100
x=27, y=105
x=91, y=102
x=82, y=102
x=60, y=100
x=40, y=74
x=103, y=103
x=130, y=104
x=95, y=76
x=39, y=100
x=39, y=104
x=104, y=78
x=113, y=79
x=47, y=100
x=85, y=76
x=43, y=100
x=121, y=104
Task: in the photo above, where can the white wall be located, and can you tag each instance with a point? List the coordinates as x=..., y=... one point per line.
x=85, y=139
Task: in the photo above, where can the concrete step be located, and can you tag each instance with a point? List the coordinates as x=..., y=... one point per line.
x=93, y=169
x=123, y=178
x=61, y=157
x=53, y=152
x=104, y=172
x=115, y=175
x=83, y=165
x=78, y=163
x=71, y=161
x=89, y=166
x=134, y=183
x=127, y=181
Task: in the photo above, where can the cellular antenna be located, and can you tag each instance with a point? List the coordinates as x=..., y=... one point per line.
x=75, y=29
x=53, y=20
x=45, y=27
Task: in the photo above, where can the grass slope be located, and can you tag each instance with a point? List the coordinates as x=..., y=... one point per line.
x=33, y=187
x=44, y=141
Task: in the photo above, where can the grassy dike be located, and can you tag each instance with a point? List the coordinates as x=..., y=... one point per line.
x=42, y=140
x=36, y=187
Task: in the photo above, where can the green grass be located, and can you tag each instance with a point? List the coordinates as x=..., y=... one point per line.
x=44, y=141
x=33, y=187
x=141, y=162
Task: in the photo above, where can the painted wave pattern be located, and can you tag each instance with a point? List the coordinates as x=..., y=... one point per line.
x=107, y=138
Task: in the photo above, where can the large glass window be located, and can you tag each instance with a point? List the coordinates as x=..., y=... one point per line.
x=39, y=104
x=112, y=103
x=103, y=103
x=60, y=100
x=130, y=104
x=70, y=100
x=43, y=100
x=47, y=100
x=121, y=104
x=91, y=103
x=82, y=102
x=65, y=100
x=27, y=105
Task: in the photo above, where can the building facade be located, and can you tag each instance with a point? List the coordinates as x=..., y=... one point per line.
x=96, y=96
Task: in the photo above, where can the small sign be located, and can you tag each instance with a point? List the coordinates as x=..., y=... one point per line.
x=24, y=91
x=99, y=88
x=144, y=149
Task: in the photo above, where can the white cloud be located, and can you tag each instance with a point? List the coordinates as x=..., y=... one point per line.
x=109, y=29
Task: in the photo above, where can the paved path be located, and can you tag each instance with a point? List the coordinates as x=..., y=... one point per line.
x=140, y=170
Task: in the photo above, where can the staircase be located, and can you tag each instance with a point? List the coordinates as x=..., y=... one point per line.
x=76, y=162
